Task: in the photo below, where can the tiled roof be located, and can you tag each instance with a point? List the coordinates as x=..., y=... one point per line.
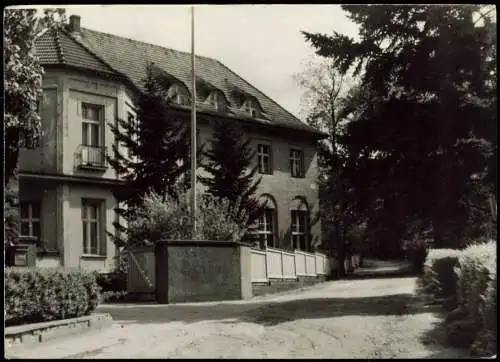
x=57, y=47
x=114, y=54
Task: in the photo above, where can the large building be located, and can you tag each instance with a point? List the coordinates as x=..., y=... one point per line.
x=91, y=79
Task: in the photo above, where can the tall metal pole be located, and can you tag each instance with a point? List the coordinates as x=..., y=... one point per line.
x=193, y=129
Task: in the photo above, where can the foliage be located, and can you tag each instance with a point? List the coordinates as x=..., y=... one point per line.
x=113, y=296
x=11, y=211
x=158, y=150
x=438, y=282
x=111, y=282
x=39, y=295
x=22, y=87
x=476, y=296
x=425, y=140
x=325, y=91
x=169, y=218
x=232, y=178
x=417, y=246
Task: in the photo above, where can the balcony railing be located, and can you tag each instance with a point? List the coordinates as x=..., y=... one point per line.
x=92, y=157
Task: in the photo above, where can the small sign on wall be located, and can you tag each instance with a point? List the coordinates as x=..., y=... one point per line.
x=21, y=258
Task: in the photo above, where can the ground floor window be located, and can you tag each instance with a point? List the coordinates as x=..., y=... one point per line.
x=30, y=219
x=299, y=230
x=93, y=227
x=266, y=228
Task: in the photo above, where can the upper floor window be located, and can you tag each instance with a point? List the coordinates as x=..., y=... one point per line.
x=264, y=158
x=93, y=226
x=92, y=124
x=296, y=163
x=30, y=219
x=131, y=119
x=178, y=94
x=250, y=107
x=216, y=100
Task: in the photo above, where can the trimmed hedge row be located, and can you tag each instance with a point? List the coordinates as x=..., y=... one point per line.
x=464, y=281
x=438, y=283
x=41, y=295
x=476, y=296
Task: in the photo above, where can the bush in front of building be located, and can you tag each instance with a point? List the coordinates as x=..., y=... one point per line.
x=168, y=218
x=41, y=295
x=438, y=282
x=471, y=323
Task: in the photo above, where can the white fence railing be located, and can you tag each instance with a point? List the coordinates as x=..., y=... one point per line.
x=280, y=264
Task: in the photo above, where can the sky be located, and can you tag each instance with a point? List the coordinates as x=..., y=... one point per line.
x=262, y=43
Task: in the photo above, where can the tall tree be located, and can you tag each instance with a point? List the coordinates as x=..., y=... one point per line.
x=430, y=127
x=323, y=100
x=157, y=150
x=229, y=163
x=23, y=88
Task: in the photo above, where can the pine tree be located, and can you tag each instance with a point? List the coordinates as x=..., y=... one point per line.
x=158, y=150
x=229, y=162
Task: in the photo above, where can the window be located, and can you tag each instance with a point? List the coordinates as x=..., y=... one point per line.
x=135, y=136
x=178, y=95
x=216, y=100
x=93, y=226
x=296, y=162
x=250, y=107
x=299, y=230
x=264, y=158
x=30, y=219
x=93, y=120
x=266, y=228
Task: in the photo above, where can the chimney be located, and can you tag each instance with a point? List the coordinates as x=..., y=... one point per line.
x=74, y=23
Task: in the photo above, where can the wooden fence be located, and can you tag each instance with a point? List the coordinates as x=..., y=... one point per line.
x=281, y=264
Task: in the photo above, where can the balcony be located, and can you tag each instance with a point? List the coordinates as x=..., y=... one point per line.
x=91, y=158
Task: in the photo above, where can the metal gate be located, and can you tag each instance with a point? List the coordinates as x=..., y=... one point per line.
x=141, y=276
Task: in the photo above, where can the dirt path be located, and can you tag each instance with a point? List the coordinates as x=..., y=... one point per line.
x=365, y=318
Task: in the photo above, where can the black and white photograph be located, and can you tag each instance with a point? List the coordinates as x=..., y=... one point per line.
x=291, y=181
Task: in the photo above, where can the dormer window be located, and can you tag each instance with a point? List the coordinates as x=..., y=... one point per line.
x=251, y=108
x=216, y=100
x=178, y=94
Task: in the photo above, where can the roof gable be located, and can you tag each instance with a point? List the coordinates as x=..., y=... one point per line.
x=57, y=47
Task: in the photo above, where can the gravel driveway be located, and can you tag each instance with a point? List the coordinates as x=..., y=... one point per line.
x=363, y=318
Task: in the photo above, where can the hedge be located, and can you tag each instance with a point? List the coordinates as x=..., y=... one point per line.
x=471, y=323
x=438, y=281
x=40, y=295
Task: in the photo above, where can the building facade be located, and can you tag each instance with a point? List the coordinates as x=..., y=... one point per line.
x=92, y=79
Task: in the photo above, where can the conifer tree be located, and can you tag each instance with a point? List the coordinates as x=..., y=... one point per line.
x=158, y=148
x=229, y=163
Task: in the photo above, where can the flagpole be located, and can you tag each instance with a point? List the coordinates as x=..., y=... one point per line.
x=193, y=129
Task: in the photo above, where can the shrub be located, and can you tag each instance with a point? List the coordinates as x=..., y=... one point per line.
x=170, y=219
x=111, y=282
x=438, y=281
x=476, y=294
x=416, y=253
x=39, y=295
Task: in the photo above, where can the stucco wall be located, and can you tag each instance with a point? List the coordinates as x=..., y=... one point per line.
x=188, y=273
x=46, y=194
x=44, y=157
x=73, y=227
x=100, y=93
x=280, y=184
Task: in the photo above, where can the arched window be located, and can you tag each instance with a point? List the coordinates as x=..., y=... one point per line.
x=299, y=227
x=178, y=94
x=266, y=231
